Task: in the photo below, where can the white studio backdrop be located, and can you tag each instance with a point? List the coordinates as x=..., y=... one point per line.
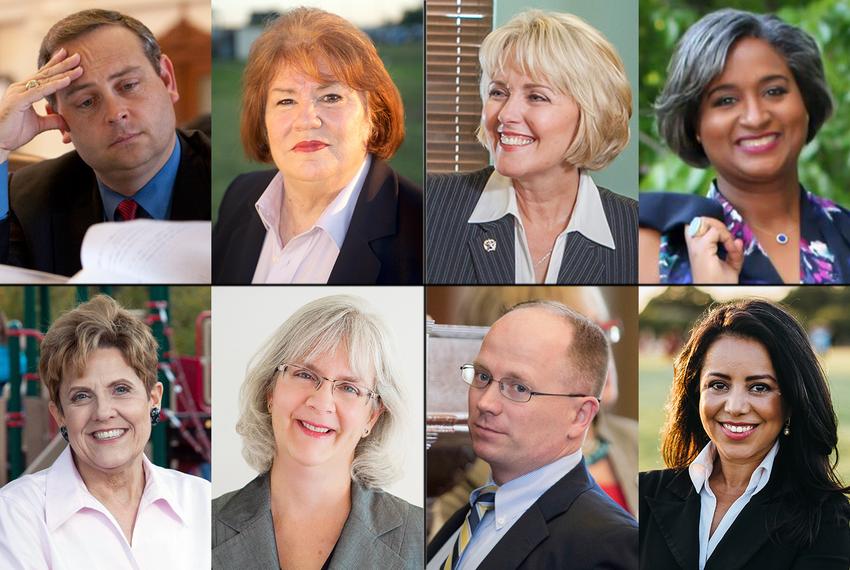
x=243, y=319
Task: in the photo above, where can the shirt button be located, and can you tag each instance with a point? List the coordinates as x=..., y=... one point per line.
x=500, y=521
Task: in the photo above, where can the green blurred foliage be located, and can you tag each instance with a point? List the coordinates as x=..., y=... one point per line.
x=824, y=163
x=404, y=64
x=185, y=304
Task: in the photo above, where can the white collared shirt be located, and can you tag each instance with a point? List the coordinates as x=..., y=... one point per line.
x=700, y=471
x=310, y=256
x=512, y=500
x=588, y=218
x=49, y=520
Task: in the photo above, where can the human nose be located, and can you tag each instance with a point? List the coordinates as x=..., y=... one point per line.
x=490, y=398
x=511, y=110
x=322, y=398
x=104, y=408
x=308, y=117
x=737, y=402
x=755, y=112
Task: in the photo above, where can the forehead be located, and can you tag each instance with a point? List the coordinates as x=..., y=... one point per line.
x=752, y=58
x=104, y=365
x=309, y=76
x=107, y=49
x=736, y=354
x=530, y=341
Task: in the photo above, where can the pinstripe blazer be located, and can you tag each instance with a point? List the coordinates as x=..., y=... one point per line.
x=382, y=531
x=454, y=251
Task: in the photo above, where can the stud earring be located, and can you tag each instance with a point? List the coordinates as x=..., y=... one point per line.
x=154, y=416
x=366, y=432
x=787, y=431
x=64, y=431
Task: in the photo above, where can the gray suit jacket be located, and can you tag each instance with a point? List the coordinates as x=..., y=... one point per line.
x=382, y=531
x=454, y=252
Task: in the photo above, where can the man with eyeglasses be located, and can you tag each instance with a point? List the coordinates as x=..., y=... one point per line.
x=534, y=390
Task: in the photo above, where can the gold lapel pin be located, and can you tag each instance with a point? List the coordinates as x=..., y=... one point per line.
x=489, y=245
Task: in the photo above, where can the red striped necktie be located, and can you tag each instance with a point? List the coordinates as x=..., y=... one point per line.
x=126, y=210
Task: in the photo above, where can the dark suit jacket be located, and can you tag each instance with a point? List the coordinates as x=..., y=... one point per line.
x=454, y=248
x=383, y=244
x=382, y=531
x=669, y=531
x=54, y=202
x=572, y=525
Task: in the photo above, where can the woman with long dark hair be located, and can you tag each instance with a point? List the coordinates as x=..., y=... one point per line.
x=748, y=443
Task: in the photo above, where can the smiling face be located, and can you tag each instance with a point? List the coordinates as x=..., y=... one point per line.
x=529, y=126
x=740, y=404
x=120, y=112
x=752, y=120
x=517, y=438
x=314, y=427
x=316, y=132
x=107, y=413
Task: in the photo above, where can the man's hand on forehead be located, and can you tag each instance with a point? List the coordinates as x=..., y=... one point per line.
x=19, y=122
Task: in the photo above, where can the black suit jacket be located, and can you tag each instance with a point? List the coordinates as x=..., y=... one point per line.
x=572, y=525
x=669, y=531
x=454, y=248
x=383, y=244
x=54, y=202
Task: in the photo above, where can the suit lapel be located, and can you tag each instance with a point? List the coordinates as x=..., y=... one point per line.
x=249, y=514
x=360, y=542
x=69, y=225
x=375, y=216
x=253, y=234
x=491, y=246
x=446, y=532
x=190, y=199
x=677, y=515
x=582, y=261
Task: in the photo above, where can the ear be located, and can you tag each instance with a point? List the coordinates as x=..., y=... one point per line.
x=156, y=395
x=376, y=413
x=584, y=416
x=64, y=129
x=57, y=414
x=166, y=74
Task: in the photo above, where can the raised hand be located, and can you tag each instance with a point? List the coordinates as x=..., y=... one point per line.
x=702, y=236
x=19, y=122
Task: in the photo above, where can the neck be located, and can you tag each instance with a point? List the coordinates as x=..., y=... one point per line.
x=124, y=486
x=304, y=489
x=766, y=206
x=129, y=182
x=548, y=201
x=733, y=476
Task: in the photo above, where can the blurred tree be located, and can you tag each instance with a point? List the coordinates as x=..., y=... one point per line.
x=824, y=163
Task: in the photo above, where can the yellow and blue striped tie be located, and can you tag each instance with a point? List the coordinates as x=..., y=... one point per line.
x=486, y=501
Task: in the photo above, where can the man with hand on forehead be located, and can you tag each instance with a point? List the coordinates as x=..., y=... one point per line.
x=110, y=92
x=533, y=392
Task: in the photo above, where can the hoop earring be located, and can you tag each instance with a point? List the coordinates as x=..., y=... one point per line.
x=154, y=416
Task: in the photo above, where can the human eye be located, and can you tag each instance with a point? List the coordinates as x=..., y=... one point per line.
x=760, y=388
x=723, y=101
x=330, y=98
x=716, y=385
x=538, y=98
x=87, y=103
x=349, y=388
x=497, y=93
x=79, y=397
x=122, y=389
x=285, y=102
x=518, y=388
x=127, y=86
x=776, y=91
x=304, y=374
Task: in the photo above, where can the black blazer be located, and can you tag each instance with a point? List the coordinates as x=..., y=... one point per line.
x=383, y=244
x=669, y=531
x=455, y=254
x=54, y=202
x=572, y=525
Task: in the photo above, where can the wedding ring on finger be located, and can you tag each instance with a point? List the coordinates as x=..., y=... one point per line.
x=32, y=84
x=696, y=228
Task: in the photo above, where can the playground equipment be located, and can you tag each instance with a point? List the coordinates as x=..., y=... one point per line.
x=28, y=435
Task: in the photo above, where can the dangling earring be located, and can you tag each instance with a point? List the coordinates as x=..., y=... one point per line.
x=64, y=431
x=787, y=431
x=154, y=416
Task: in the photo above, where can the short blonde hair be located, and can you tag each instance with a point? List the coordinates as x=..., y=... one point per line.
x=99, y=323
x=565, y=51
x=317, y=328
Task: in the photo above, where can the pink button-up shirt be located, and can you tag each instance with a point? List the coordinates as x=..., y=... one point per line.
x=49, y=520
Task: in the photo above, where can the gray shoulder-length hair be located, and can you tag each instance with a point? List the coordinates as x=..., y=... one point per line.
x=317, y=328
x=700, y=57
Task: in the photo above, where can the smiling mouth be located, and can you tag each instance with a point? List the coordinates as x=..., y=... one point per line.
x=758, y=143
x=309, y=146
x=739, y=428
x=515, y=140
x=106, y=435
x=317, y=429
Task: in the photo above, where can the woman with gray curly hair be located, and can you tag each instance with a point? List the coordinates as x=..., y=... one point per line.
x=744, y=93
x=320, y=415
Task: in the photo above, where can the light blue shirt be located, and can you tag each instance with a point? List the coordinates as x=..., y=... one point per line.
x=4, y=190
x=512, y=500
x=154, y=197
x=700, y=471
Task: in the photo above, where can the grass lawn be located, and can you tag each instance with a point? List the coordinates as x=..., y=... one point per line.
x=404, y=64
x=656, y=374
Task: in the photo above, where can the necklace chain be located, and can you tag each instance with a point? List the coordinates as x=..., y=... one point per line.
x=544, y=258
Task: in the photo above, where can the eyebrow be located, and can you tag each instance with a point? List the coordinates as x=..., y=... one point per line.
x=509, y=375
x=525, y=85
x=766, y=79
x=343, y=378
x=113, y=383
x=68, y=91
x=290, y=90
x=752, y=378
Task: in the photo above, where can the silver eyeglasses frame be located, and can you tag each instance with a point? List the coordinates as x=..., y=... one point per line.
x=503, y=388
x=368, y=393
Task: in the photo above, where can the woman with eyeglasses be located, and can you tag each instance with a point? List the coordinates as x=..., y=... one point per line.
x=319, y=413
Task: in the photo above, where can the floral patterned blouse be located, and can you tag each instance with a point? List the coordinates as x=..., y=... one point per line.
x=824, y=237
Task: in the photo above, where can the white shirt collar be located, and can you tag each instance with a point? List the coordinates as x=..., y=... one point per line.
x=588, y=218
x=66, y=492
x=701, y=468
x=335, y=218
